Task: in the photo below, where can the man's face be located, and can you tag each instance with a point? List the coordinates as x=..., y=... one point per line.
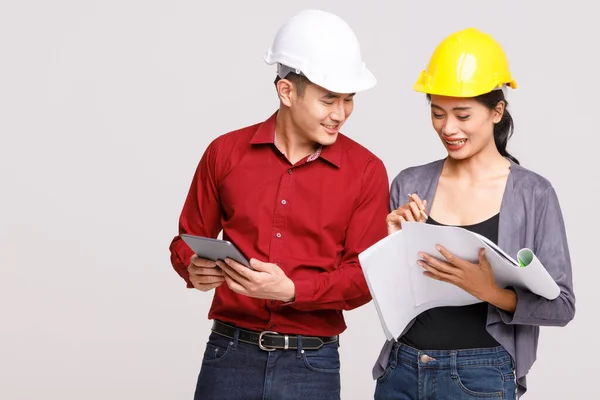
x=319, y=114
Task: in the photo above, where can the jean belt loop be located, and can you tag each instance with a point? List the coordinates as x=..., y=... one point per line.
x=300, y=351
x=454, y=363
x=236, y=336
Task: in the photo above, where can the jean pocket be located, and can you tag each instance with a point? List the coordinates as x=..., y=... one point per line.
x=481, y=381
x=385, y=374
x=217, y=348
x=391, y=364
x=326, y=359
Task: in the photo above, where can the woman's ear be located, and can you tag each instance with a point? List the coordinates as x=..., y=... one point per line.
x=498, y=111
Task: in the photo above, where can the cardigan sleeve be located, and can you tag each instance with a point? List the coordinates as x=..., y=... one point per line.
x=551, y=248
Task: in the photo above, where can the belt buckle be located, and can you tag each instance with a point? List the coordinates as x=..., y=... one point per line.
x=260, y=341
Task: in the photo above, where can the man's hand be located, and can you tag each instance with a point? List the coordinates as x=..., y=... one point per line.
x=263, y=281
x=205, y=275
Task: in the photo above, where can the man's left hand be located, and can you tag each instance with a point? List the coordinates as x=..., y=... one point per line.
x=263, y=281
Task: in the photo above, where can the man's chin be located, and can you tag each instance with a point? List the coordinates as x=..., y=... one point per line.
x=327, y=140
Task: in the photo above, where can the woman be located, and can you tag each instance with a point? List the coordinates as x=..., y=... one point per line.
x=482, y=350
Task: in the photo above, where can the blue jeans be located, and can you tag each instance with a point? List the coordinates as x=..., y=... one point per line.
x=233, y=370
x=411, y=374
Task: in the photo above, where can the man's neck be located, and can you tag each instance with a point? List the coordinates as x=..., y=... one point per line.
x=290, y=141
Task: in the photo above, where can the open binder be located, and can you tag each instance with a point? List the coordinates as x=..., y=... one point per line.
x=401, y=291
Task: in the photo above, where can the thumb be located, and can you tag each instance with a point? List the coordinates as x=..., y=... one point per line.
x=393, y=225
x=258, y=265
x=482, y=258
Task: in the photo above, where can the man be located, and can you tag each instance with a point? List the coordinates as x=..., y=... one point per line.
x=301, y=201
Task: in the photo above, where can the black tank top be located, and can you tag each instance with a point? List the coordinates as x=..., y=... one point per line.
x=454, y=328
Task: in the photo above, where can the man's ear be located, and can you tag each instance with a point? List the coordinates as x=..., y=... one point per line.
x=285, y=91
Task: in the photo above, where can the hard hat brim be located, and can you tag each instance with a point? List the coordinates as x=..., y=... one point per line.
x=334, y=83
x=344, y=86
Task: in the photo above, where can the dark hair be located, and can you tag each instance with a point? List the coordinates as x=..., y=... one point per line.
x=300, y=81
x=503, y=130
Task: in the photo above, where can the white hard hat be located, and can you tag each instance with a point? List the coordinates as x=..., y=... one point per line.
x=322, y=47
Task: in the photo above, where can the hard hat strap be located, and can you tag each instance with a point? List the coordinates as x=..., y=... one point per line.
x=284, y=70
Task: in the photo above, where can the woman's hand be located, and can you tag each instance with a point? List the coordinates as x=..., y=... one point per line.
x=414, y=210
x=476, y=279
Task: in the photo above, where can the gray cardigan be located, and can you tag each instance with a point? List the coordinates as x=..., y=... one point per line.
x=530, y=216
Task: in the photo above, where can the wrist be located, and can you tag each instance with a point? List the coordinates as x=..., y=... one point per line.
x=492, y=296
x=289, y=294
x=504, y=299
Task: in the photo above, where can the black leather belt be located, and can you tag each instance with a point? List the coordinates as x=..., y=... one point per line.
x=269, y=340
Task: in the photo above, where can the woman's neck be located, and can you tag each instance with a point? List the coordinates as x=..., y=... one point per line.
x=480, y=167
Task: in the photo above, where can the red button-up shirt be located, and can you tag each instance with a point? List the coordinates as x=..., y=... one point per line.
x=312, y=219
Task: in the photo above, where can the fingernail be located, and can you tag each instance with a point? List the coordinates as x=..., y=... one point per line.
x=421, y=255
x=438, y=248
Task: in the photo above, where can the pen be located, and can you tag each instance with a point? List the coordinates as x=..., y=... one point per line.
x=423, y=213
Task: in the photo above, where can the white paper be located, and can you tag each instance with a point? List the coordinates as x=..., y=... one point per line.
x=466, y=244
x=401, y=291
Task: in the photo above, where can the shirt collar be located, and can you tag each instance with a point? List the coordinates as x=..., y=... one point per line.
x=265, y=134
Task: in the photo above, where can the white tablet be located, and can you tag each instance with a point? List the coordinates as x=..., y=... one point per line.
x=214, y=249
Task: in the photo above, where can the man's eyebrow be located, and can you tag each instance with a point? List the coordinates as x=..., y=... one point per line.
x=331, y=95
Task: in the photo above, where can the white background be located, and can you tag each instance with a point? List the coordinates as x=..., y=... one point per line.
x=106, y=108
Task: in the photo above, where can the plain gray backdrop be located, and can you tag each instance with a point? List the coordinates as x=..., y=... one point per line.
x=106, y=108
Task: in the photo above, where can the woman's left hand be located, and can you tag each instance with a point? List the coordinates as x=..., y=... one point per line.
x=476, y=279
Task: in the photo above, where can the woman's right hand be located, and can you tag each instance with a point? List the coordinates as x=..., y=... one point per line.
x=414, y=210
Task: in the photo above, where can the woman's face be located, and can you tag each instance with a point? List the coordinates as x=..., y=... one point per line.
x=465, y=126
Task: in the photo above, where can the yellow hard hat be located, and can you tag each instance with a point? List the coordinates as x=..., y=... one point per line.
x=467, y=63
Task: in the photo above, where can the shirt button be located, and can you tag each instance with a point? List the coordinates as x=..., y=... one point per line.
x=290, y=171
x=283, y=202
x=278, y=234
x=272, y=301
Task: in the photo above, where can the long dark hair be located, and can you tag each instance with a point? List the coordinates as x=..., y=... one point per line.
x=503, y=130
